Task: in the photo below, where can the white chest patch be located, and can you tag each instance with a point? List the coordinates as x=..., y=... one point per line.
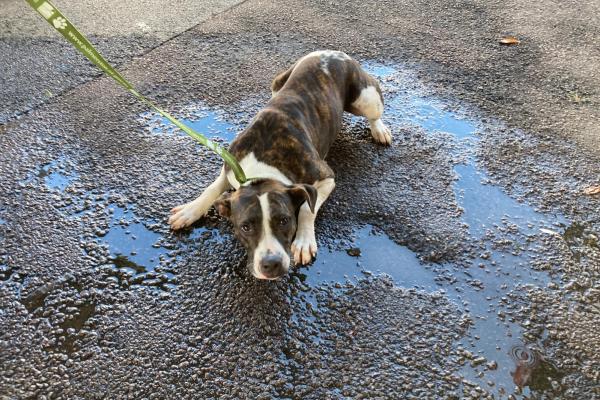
x=257, y=169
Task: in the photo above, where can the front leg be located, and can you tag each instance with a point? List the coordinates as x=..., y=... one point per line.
x=304, y=247
x=186, y=214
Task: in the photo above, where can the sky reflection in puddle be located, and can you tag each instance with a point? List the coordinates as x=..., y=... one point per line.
x=480, y=290
x=212, y=124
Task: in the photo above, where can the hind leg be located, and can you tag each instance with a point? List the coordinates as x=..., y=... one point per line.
x=369, y=104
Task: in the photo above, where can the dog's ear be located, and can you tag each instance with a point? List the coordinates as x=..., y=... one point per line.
x=301, y=193
x=223, y=205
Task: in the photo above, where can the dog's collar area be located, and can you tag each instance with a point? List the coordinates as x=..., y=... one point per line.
x=250, y=181
x=255, y=180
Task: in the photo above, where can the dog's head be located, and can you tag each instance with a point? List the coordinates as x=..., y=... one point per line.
x=264, y=215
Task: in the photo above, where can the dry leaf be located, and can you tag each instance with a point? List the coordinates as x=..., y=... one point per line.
x=354, y=252
x=592, y=190
x=509, y=40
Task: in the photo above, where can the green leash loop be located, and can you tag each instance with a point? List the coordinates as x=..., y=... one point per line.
x=59, y=22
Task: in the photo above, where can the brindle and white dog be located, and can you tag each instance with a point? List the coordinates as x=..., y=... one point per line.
x=285, y=145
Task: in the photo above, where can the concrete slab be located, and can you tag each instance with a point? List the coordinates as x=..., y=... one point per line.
x=37, y=64
x=99, y=299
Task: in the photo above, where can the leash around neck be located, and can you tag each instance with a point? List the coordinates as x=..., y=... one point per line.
x=59, y=22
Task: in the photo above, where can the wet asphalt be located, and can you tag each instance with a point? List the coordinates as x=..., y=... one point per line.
x=462, y=262
x=37, y=64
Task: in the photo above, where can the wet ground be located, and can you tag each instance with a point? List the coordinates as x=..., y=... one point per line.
x=37, y=65
x=462, y=262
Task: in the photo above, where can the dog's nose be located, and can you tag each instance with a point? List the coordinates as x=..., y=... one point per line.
x=271, y=266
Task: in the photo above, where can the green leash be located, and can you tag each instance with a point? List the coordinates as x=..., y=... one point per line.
x=57, y=20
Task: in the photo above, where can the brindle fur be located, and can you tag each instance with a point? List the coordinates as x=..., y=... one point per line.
x=288, y=142
x=296, y=129
x=242, y=208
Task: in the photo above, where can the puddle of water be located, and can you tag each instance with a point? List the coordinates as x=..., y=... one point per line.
x=486, y=205
x=432, y=117
x=532, y=370
x=429, y=114
x=378, y=70
x=131, y=243
x=370, y=253
x=56, y=180
x=136, y=252
x=84, y=312
x=476, y=290
x=37, y=297
x=54, y=175
x=212, y=124
x=212, y=234
x=378, y=255
x=481, y=290
x=578, y=234
x=76, y=314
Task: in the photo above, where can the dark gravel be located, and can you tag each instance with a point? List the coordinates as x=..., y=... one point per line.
x=72, y=328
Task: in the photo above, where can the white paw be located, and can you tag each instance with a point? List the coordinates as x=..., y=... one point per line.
x=304, y=247
x=380, y=132
x=185, y=215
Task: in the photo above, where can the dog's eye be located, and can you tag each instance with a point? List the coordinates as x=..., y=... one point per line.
x=246, y=228
x=284, y=221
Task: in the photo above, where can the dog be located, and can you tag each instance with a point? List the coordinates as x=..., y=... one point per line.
x=285, y=146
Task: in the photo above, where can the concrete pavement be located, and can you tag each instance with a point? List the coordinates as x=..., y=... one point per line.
x=476, y=213
x=37, y=64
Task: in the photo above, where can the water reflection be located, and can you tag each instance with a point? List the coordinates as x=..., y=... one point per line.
x=210, y=123
x=56, y=175
x=532, y=369
x=486, y=208
x=136, y=252
x=371, y=252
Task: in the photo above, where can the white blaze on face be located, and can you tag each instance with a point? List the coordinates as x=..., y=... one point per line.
x=268, y=243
